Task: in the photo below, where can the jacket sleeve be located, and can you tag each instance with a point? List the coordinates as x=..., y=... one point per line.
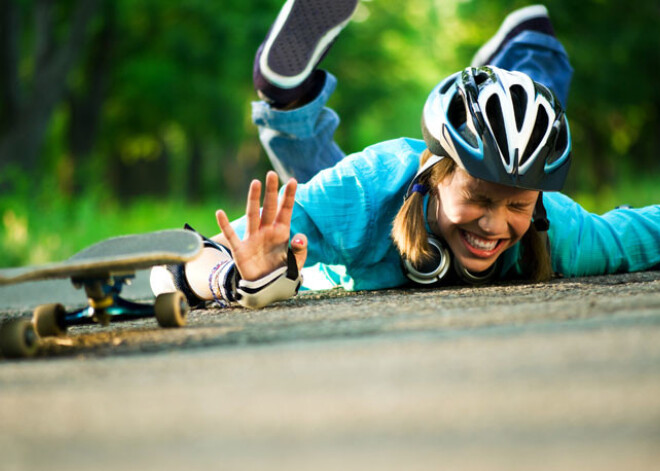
x=347, y=211
x=583, y=243
x=334, y=211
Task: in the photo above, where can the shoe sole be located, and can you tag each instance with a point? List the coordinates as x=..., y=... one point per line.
x=302, y=32
x=510, y=22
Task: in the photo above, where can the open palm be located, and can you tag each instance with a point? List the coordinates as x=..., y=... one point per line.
x=266, y=241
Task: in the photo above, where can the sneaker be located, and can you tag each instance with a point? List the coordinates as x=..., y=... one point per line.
x=301, y=35
x=532, y=18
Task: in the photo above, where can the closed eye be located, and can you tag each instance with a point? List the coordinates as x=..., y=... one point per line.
x=520, y=206
x=480, y=200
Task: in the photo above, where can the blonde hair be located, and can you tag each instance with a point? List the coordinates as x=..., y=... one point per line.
x=409, y=229
x=536, y=261
x=410, y=237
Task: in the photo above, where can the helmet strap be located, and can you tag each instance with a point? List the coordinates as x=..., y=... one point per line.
x=540, y=217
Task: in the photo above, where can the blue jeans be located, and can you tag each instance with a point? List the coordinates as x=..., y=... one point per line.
x=300, y=143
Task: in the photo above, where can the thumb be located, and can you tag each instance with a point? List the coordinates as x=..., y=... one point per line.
x=299, y=249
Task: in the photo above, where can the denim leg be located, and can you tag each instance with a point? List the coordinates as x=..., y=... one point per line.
x=540, y=56
x=300, y=142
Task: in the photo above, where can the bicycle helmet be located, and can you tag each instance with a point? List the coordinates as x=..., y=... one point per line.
x=499, y=126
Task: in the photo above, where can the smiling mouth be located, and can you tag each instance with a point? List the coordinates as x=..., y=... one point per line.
x=479, y=246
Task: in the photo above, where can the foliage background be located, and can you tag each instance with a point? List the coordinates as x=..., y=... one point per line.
x=134, y=115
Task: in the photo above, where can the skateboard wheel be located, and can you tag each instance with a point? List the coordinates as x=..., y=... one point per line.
x=171, y=309
x=18, y=339
x=48, y=320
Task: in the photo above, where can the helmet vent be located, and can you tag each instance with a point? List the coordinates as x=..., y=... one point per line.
x=519, y=98
x=540, y=129
x=456, y=112
x=445, y=88
x=496, y=120
x=560, y=145
x=457, y=117
x=480, y=78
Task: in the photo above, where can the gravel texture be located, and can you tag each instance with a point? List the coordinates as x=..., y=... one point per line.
x=560, y=375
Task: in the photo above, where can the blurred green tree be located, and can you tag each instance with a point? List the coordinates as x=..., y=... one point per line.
x=153, y=96
x=36, y=59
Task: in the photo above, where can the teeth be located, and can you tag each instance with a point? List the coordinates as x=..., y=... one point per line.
x=479, y=243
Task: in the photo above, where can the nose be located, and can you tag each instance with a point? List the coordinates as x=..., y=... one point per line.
x=494, y=221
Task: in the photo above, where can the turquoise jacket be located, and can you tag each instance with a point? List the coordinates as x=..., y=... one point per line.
x=347, y=210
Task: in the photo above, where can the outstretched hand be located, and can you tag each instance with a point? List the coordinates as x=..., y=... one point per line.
x=266, y=241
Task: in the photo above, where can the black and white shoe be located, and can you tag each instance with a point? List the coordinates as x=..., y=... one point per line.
x=531, y=18
x=301, y=35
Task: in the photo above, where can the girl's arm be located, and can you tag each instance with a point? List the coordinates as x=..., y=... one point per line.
x=346, y=213
x=621, y=240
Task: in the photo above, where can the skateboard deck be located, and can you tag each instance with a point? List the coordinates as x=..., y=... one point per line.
x=115, y=255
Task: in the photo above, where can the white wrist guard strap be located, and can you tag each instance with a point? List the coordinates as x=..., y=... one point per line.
x=281, y=284
x=222, y=282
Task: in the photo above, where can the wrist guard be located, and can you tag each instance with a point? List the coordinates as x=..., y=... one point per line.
x=228, y=288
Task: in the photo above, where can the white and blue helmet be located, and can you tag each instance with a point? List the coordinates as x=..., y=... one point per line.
x=499, y=126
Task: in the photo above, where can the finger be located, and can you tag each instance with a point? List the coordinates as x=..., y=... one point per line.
x=227, y=230
x=252, y=208
x=286, y=205
x=270, y=200
x=299, y=249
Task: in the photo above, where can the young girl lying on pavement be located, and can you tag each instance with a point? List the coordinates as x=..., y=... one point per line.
x=476, y=200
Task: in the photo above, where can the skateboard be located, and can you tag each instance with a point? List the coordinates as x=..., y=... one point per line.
x=102, y=269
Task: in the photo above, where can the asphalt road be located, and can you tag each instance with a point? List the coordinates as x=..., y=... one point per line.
x=557, y=376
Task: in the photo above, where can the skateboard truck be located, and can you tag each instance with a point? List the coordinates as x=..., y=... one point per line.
x=105, y=305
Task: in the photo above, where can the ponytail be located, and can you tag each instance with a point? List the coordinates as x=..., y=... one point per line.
x=536, y=261
x=409, y=229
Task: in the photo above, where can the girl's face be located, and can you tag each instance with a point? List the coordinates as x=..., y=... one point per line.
x=479, y=220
